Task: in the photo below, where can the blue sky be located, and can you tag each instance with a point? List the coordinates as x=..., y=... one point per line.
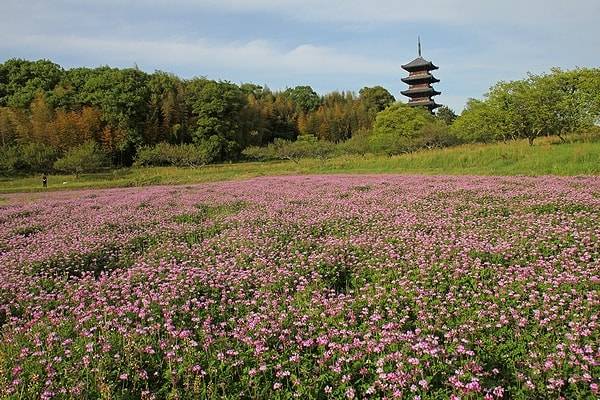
x=330, y=45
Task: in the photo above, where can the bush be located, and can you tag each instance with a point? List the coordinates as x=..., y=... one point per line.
x=87, y=157
x=397, y=127
x=357, y=144
x=306, y=146
x=183, y=155
x=30, y=157
x=38, y=157
x=590, y=135
x=435, y=135
x=9, y=159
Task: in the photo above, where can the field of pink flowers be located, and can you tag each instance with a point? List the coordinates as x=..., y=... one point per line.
x=304, y=287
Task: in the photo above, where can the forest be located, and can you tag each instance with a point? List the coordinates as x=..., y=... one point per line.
x=83, y=119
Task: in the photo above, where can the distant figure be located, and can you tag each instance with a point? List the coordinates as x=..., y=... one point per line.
x=45, y=181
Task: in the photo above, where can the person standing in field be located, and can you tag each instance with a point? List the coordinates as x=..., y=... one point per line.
x=45, y=180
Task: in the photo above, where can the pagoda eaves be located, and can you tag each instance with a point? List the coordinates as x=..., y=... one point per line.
x=420, y=78
x=420, y=92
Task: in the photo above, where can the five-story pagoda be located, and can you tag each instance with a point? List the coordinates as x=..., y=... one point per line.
x=419, y=82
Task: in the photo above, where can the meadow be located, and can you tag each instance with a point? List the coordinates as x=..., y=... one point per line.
x=341, y=286
x=547, y=157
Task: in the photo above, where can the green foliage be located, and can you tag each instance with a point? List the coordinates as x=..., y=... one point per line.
x=31, y=157
x=37, y=157
x=435, y=135
x=446, y=115
x=183, y=155
x=477, y=123
x=9, y=159
x=218, y=108
x=21, y=79
x=358, y=144
x=123, y=98
x=540, y=105
x=125, y=110
x=340, y=117
x=376, y=98
x=87, y=157
x=549, y=157
x=167, y=118
x=305, y=147
x=304, y=97
x=397, y=127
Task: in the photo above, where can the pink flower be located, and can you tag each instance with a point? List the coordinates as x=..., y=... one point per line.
x=350, y=393
x=498, y=391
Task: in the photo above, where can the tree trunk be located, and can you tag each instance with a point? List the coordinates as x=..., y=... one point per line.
x=530, y=140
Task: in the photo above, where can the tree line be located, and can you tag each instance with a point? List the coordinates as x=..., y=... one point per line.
x=555, y=103
x=53, y=118
x=48, y=110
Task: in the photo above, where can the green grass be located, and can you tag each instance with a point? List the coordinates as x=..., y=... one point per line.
x=513, y=158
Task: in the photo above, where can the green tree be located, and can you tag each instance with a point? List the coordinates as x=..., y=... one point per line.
x=479, y=122
x=397, y=127
x=20, y=80
x=304, y=97
x=305, y=147
x=123, y=97
x=376, y=98
x=87, y=157
x=549, y=104
x=283, y=118
x=166, y=119
x=446, y=115
x=218, y=110
x=564, y=101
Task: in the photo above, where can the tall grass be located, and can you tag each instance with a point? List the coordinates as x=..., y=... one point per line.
x=511, y=158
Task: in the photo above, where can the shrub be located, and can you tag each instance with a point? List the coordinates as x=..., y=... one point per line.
x=435, y=135
x=37, y=157
x=182, y=155
x=305, y=147
x=87, y=157
x=29, y=157
x=397, y=126
x=357, y=144
x=9, y=159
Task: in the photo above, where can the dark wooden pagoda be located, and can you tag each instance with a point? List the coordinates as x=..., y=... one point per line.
x=419, y=82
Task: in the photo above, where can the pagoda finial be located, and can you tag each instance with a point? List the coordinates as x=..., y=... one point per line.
x=419, y=44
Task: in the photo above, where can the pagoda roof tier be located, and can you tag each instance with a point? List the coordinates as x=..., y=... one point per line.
x=420, y=92
x=419, y=63
x=431, y=104
x=420, y=78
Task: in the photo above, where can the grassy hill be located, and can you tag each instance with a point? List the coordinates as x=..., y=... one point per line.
x=547, y=157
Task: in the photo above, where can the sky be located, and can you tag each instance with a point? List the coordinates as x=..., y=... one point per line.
x=329, y=44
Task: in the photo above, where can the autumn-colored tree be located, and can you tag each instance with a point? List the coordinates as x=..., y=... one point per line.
x=111, y=138
x=65, y=128
x=90, y=124
x=8, y=130
x=41, y=118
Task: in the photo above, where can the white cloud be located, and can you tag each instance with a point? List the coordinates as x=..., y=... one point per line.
x=258, y=55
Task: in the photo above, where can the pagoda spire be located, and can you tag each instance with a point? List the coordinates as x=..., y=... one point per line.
x=420, y=92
